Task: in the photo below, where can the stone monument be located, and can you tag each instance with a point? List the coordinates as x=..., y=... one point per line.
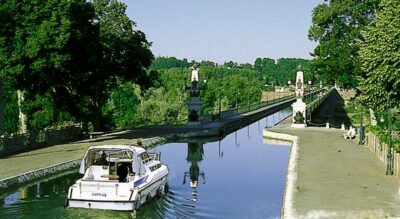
x=194, y=104
x=299, y=107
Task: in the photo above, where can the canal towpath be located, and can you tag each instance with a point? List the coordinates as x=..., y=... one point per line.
x=337, y=178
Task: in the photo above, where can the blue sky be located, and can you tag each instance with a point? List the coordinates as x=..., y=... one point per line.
x=222, y=30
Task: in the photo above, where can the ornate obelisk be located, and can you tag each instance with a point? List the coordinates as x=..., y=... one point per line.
x=299, y=107
x=194, y=104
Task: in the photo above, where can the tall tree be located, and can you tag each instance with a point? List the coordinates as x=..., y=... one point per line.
x=380, y=58
x=124, y=56
x=73, y=49
x=45, y=47
x=337, y=25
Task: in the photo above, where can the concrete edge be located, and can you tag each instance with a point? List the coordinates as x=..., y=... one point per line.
x=288, y=211
x=24, y=178
x=195, y=134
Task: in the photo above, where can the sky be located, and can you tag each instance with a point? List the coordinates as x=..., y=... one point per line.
x=225, y=30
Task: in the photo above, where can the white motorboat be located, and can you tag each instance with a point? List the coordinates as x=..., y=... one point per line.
x=118, y=177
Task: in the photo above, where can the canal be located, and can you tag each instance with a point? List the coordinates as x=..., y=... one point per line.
x=239, y=176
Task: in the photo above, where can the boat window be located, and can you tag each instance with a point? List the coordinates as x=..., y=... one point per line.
x=96, y=158
x=121, y=154
x=145, y=157
x=155, y=167
x=104, y=157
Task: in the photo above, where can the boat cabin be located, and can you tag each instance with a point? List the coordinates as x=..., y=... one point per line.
x=120, y=163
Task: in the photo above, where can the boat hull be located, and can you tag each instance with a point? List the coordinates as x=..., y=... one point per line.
x=103, y=205
x=136, y=199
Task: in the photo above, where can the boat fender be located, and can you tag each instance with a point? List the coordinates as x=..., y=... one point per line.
x=159, y=193
x=138, y=205
x=166, y=188
x=148, y=198
x=66, y=203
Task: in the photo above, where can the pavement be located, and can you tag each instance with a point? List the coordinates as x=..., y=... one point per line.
x=45, y=157
x=337, y=178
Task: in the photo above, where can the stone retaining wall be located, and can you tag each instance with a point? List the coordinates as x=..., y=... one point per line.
x=288, y=211
x=39, y=174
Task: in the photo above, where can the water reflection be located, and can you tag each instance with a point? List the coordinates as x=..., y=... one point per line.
x=11, y=199
x=194, y=156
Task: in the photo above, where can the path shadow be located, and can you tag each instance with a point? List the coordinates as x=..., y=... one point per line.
x=332, y=111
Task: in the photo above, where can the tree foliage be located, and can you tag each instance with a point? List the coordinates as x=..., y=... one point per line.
x=380, y=58
x=283, y=70
x=122, y=109
x=11, y=120
x=230, y=86
x=71, y=51
x=169, y=62
x=337, y=25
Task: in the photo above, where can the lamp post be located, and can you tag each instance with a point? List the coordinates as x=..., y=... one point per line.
x=248, y=100
x=309, y=89
x=219, y=106
x=389, y=169
x=202, y=110
x=237, y=96
x=360, y=142
x=389, y=156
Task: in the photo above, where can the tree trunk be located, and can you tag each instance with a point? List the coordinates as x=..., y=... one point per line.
x=96, y=117
x=22, y=117
x=1, y=108
x=85, y=126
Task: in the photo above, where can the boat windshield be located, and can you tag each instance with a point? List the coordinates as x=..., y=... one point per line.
x=104, y=156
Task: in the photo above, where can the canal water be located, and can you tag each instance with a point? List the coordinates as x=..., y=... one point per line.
x=239, y=176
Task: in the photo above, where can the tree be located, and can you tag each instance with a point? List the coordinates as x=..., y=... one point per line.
x=337, y=25
x=45, y=47
x=11, y=120
x=123, y=106
x=283, y=70
x=168, y=62
x=380, y=58
x=74, y=50
x=124, y=56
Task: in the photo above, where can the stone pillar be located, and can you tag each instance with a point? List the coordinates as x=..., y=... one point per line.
x=1, y=107
x=194, y=104
x=23, y=119
x=299, y=107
